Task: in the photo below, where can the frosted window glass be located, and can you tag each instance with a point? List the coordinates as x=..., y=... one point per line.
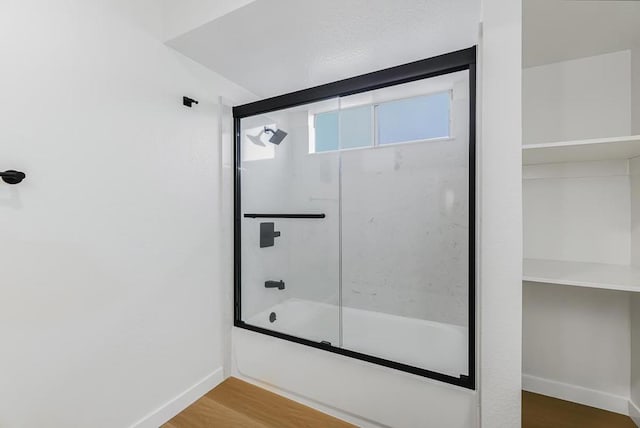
x=326, y=125
x=355, y=128
x=420, y=118
x=352, y=125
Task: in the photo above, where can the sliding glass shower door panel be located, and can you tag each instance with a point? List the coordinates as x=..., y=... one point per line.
x=405, y=224
x=289, y=214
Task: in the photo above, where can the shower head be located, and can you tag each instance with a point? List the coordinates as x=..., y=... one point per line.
x=277, y=137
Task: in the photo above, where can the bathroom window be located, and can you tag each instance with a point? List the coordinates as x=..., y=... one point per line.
x=419, y=118
x=414, y=119
x=351, y=127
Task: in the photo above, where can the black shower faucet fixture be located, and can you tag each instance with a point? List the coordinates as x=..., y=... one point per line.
x=189, y=102
x=267, y=234
x=274, y=284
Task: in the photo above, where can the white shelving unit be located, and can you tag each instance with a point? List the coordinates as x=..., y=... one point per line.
x=581, y=218
x=578, y=274
x=569, y=208
x=582, y=150
x=577, y=206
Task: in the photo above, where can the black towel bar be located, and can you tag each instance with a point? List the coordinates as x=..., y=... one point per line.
x=284, y=215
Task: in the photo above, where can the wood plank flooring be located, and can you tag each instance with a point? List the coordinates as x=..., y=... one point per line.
x=539, y=411
x=235, y=403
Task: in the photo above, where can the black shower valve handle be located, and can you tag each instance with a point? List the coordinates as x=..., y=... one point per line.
x=12, y=177
x=267, y=234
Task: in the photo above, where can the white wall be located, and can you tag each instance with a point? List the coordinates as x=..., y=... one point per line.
x=634, y=173
x=578, y=99
x=635, y=90
x=634, y=406
x=635, y=357
x=111, y=290
x=500, y=213
x=560, y=222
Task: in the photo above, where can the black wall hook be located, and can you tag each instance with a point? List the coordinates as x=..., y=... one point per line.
x=12, y=177
x=189, y=102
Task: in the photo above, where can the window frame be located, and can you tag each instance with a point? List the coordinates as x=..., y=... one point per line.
x=375, y=130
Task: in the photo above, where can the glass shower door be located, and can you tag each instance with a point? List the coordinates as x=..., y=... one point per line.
x=405, y=224
x=289, y=214
x=355, y=217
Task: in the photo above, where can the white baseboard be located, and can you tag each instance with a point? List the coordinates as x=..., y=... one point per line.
x=576, y=394
x=180, y=402
x=634, y=413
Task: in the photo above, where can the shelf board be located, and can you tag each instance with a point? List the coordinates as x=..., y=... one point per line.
x=582, y=150
x=578, y=274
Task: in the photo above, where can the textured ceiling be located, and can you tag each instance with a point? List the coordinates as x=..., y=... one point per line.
x=556, y=30
x=181, y=16
x=276, y=46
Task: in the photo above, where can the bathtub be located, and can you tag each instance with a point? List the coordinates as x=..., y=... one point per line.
x=420, y=343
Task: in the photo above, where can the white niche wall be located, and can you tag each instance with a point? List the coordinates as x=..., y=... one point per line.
x=581, y=208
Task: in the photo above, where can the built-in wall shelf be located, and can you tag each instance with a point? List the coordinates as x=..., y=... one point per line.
x=578, y=274
x=582, y=150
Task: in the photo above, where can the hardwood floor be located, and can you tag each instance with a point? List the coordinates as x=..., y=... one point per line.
x=235, y=403
x=539, y=411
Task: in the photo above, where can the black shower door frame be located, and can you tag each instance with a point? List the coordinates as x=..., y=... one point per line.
x=431, y=67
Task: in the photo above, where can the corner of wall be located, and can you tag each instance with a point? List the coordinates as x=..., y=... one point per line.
x=635, y=90
x=634, y=175
x=183, y=400
x=634, y=170
x=500, y=171
x=182, y=16
x=634, y=405
x=634, y=413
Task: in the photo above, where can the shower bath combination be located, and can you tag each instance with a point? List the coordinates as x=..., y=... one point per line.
x=371, y=217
